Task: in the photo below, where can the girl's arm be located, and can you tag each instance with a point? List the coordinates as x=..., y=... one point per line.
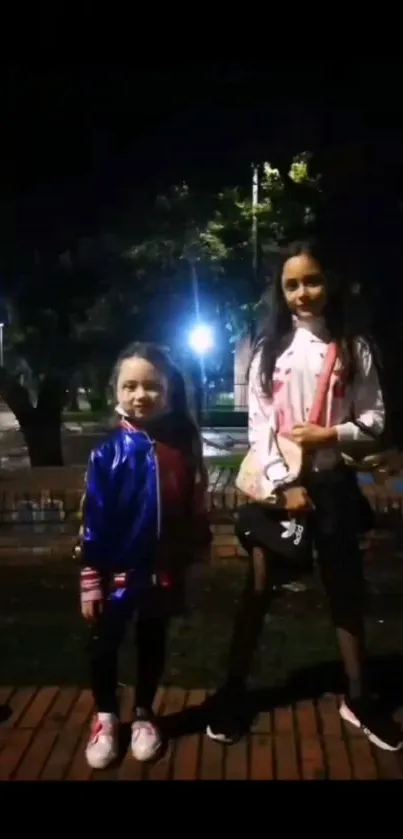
x=93, y=530
x=262, y=431
x=96, y=522
x=367, y=402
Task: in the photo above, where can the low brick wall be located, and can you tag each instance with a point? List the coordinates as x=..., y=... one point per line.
x=39, y=511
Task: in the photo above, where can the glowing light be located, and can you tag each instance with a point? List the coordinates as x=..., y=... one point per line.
x=201, y=339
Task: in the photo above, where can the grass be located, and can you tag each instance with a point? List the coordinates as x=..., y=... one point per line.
x=231, y=461
x=42, y=636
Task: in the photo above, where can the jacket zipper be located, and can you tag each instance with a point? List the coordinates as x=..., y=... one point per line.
x=130, y=427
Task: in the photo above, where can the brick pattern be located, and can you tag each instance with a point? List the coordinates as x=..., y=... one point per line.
x=226, y=545
x=45, y=736
x=57, y=493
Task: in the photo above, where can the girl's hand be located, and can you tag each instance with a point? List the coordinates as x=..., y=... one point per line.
x=91, y=609
x=91, y=594
x=311, y=436
x=296, y=499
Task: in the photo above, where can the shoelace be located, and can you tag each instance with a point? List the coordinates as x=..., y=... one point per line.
x=99, y=728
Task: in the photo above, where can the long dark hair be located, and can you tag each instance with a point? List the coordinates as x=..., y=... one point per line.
x=177, y=425
x=274, y=332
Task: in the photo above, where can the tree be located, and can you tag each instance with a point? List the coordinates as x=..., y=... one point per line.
x=197, y=254
x=64, y=315
x=73, y=300
x=200, y=245
x=44, y=304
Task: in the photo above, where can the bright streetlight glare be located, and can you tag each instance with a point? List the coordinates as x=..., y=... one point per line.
x=201, y=339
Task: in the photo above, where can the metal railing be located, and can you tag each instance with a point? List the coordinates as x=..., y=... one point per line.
x=230, y=395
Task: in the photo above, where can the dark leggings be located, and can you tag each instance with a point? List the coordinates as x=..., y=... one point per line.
x=334, y=531
x=106, y=637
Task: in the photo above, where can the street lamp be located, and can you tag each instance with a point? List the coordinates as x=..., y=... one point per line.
x=201, y=339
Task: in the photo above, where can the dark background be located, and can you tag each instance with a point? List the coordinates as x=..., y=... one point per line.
x=78, y=141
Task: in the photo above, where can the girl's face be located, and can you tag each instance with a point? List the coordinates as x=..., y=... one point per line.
x=304, y=286
x=142, y=390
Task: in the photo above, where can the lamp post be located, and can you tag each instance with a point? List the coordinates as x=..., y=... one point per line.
x=201, y=341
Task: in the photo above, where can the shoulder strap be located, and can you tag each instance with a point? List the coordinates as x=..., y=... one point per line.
x=323, y=383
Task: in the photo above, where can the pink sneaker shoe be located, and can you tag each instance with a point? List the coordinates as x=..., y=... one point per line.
x=102, y=747
x=146, y=739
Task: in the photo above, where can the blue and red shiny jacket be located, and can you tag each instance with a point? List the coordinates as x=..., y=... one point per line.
x=143, y=510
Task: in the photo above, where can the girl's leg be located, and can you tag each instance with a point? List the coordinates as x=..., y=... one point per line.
x=340, y=561
x=225, y=721
x=249, y=618
x=151, y=638
x=106, y=636
x=342, y=577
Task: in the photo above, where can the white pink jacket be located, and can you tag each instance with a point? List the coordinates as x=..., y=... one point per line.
x=294, y=385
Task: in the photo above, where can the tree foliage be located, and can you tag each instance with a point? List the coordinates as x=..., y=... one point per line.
x=73, y=300
x=198, y=249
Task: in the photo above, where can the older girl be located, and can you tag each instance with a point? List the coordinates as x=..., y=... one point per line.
x=286, y=364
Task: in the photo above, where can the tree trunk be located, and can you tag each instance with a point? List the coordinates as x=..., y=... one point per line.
x=73, y=404
x=96, y=385
x=40, y=425
x=43, y=438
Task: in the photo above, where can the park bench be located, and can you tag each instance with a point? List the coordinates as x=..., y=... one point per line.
x=39, y=510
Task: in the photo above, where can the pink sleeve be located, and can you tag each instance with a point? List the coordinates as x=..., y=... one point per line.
x=90, y=586
x=262, y=430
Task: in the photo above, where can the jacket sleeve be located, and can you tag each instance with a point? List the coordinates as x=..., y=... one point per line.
x=367, y=400
x=95, y=510
x=262, y=425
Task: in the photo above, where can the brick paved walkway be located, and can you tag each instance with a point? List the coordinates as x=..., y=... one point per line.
x=45, y=736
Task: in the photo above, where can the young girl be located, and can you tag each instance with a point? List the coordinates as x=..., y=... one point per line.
x=285, y=365
x=142, y=518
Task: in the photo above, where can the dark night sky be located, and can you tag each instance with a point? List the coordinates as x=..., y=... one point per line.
x=82, y=138
x=69, y=122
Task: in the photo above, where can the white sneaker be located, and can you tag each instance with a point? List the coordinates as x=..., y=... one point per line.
x=102, y=746
x=146, y=740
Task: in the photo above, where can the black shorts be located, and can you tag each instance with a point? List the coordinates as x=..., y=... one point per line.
x=341, y=514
